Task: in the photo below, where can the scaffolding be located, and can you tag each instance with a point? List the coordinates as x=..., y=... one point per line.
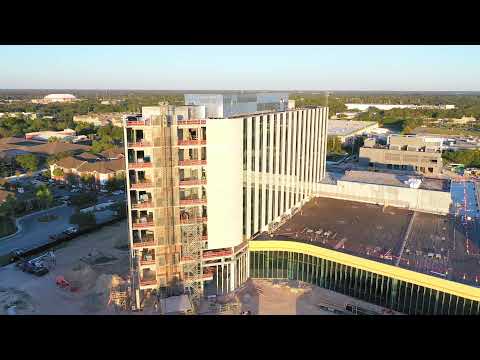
x=192, y=266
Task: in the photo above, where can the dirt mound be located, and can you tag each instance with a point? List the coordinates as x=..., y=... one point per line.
x=82, y=276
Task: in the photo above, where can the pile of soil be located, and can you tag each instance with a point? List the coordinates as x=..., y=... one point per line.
x=81, y=276
x=97, y=299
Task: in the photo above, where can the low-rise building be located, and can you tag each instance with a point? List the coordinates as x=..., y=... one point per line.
x=52, y=98
x=346, y=130
x=14, y=146
x=67, y=134
x=404, y=153
x=116, y=119
x=98, y=166
x=365, y=107
x=29, y=115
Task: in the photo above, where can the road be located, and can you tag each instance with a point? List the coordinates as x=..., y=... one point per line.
x=464, y=197
x=35, y=233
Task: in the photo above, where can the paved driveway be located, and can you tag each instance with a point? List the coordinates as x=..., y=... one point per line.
x=35, y=233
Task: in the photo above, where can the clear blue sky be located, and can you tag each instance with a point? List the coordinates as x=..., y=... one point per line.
x=241, y=67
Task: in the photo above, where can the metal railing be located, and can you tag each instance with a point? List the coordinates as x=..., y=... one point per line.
x=140, y=225
x=142, y=205
x=193, y=201
x=192, y=182
x=141, y=184
x=141, y=164
x=192, y=162
x=139, y=144
x=143, y=243
x=191, y=122
x=191, y=142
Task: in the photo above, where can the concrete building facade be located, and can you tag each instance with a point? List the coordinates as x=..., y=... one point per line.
x=199, y=188
x=404, y=153
x=227, y=105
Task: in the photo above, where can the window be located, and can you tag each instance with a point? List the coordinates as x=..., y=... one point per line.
x=260, y=193
x=275, y=145
x=280, y=143
x=260, y=153
x=253, y=145
x=268, y=144
x=285, y=170
x=244, y=144
x=244, y=220
x=179, y=117
x=252, y=209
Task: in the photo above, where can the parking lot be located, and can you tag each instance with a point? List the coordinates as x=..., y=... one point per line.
x=31, y=232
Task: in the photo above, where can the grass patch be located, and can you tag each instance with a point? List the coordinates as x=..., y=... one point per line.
x=47, y=218
x=7, y=226
x=4, y=259
x=444, y=131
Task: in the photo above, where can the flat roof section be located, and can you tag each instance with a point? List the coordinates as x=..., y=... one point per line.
x=382, y=178
x=347, y=127
x=435, y=245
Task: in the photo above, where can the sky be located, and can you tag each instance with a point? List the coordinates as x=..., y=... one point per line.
x=161, y=67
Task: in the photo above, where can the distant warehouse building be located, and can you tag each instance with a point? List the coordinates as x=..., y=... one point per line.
x=412, y=153
x=115, y=119
x=53, y=98
x=348, y=129
x=364, y=107
x=67, y=134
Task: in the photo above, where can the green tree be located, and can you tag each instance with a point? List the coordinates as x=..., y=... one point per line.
x=7, y=208
x=44, y=196
x=84, y=200
x=334, y=145
x=53, y=139
x=58, y=172
x=83, y=220
x=28, y=162
x=88, y=180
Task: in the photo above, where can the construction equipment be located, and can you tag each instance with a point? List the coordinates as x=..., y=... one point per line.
x=119, y=298
x=192, y=269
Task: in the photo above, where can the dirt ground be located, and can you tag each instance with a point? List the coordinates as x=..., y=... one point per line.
x=92, y=263
x=270, y=297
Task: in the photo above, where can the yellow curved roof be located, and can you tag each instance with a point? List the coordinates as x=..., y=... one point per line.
x=447, y=286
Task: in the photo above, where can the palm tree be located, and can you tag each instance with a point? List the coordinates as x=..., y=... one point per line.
x=44, y=196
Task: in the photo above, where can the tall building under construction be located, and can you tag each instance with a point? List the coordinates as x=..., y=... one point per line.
x=205, y=177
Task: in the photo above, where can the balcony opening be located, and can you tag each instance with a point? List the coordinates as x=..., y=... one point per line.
x=192, y=134
x=147, y=255
x=142, y=236
x=132, y=176
x=148, y=275
x=204, y=133
x=131, y=156
x=180, y=134
x=189, y=194
x=142, y=217
x=204, y=153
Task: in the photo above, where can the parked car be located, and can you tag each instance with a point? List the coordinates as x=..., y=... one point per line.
x=17, y=254
x=27, y=266
x=118, y=192
x=71, y=230
x=104, y=191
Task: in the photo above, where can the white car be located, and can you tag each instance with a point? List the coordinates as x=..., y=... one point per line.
x=118, y=192
x=104, y=191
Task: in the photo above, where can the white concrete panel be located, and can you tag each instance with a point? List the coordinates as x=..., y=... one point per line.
x=225, y=182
